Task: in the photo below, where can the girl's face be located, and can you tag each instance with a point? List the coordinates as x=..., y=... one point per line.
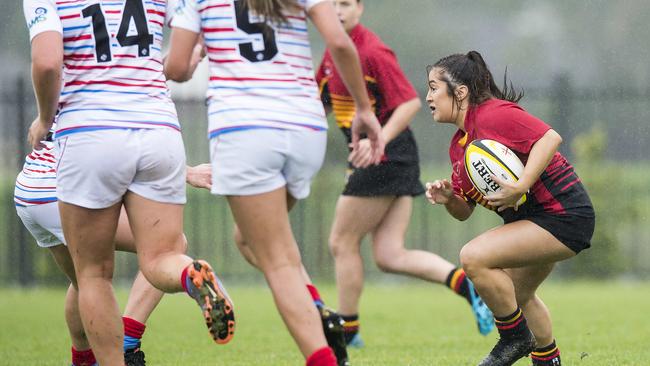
x=443, y=108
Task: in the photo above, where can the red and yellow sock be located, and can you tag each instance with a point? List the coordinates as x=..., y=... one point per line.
x=458, y=282
x=546, y=356
x=351, y=326
x=511, y=325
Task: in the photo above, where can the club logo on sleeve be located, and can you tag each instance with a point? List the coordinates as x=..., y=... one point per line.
x=40, y=16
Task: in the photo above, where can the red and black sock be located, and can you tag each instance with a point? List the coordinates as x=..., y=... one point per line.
x=322, y=357
x=546, y=356
x=351, y=326
x=458, y=282
x=83, y=358
x=513, y=325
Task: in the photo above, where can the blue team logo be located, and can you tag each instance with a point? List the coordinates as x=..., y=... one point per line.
x=40, y=17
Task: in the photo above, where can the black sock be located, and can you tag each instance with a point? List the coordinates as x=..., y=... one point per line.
x=546, y=356
x=458, y=282
x=351, y=326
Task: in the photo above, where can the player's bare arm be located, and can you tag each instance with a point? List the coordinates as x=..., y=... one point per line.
x=47, y=64
x=346, y=59
x=400, y=119
x=183, y=47
x=540, y=155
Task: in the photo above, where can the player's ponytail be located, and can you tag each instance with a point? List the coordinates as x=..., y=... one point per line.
x=272, y=11
x=472, y=71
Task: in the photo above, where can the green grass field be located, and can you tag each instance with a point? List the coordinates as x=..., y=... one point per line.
x=402, y=324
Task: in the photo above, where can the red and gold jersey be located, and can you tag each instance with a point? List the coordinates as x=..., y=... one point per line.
x=511, y=125
x=387, y=87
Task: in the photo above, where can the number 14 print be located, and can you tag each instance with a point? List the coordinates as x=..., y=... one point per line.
x=133, y=10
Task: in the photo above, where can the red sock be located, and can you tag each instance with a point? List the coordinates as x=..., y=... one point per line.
x=133, y=328
x=313, y=291
x=83, y=358
x=322, y=357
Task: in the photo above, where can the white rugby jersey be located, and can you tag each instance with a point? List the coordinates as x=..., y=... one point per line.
x=36, y=183
x=260, y=75
x=113, y=71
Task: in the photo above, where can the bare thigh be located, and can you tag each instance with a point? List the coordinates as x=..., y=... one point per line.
x=514, y=245
x=357, y=216
x=389, y=234
x=157, y=227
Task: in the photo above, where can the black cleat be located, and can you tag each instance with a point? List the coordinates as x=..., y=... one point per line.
x=333, y=328
x=507, y=351
x=134, y=357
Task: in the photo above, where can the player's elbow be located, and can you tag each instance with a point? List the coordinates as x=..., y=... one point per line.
x=556, y=137
x=176, y=73
x=340, y=45
x=50, y=65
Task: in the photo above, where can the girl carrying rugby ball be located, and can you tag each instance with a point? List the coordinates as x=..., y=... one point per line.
x=556, y=222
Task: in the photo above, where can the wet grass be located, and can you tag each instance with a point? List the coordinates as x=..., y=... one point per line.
x=402, y=324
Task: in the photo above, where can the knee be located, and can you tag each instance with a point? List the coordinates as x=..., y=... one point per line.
x=244, y=249
x=471, y=260
x=342, y=246
x=239, y=239
x=388, y=262
x=91, y=271
x=278, y=260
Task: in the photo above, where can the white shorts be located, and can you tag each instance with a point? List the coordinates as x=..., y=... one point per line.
x=97, y=168
x=261, y=160
x=44, y=223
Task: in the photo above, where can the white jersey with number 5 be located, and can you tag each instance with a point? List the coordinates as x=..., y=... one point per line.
x=261, y=76
x=113, y=72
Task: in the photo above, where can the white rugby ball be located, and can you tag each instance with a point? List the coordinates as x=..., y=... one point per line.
x=484, y=158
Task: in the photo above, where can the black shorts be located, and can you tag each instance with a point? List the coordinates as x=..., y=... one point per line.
x=386, y=179
x=574, y=228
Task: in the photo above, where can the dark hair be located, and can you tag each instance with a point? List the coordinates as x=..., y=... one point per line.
x=272, y=11
x=470, y=70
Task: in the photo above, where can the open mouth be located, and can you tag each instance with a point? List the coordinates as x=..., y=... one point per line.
x=433, y=109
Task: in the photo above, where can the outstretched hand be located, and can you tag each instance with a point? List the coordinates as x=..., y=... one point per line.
x=199, y=176
x=508, y=196
x=365, y=122
x=439, y=191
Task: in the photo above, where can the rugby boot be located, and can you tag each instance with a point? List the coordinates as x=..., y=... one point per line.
x=356, y=341
x=134, y=357
x=508, y=350
x=333, y=328
x=209, y=293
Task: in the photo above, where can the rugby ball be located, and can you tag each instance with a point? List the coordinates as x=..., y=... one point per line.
x=484, y=158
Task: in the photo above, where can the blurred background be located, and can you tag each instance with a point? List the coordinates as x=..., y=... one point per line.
x=584, y=67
